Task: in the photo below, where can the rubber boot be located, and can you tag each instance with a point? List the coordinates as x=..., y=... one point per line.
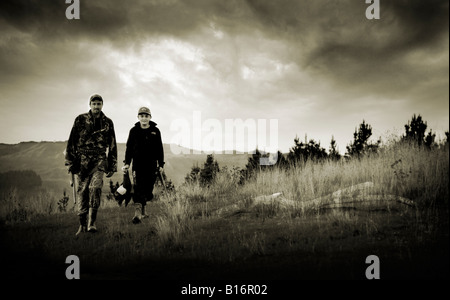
x=92, y=218
x=137, y=213
x=83, y=227
x=143, y=214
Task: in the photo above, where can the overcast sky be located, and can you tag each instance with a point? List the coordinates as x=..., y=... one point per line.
x=319, y=68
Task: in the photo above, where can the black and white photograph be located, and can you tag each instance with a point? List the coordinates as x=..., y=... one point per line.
x=224, y=145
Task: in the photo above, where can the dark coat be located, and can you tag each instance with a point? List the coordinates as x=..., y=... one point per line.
x=144, y=147
x=92, y=144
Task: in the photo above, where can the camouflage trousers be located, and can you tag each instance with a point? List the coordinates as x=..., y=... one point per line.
x=89, y=192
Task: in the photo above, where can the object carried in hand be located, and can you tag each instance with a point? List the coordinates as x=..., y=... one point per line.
x=123, y=192
x=74, y=189
x=158, y=173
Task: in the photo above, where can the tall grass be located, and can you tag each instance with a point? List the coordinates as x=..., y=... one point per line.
x=174, y=221
x=23, y=205
x=185, y=222
x=404, y=170
x=416, y=173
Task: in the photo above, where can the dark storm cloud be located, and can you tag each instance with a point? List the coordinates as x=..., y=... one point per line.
x=335, y=36
x=403, y=27
x=307, y=54
x=321, y=23
x=331, y=38
x=423, y=22
x=115, y=21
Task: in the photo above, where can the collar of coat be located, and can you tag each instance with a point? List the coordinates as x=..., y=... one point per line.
x=101, y=115
x=152, y=124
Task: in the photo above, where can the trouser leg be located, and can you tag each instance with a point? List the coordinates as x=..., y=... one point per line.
x=95, y=193
x=92, y=219
x=143, y=214
x=95, y=189
x=83, y=224
x=82, y=203
x=143, y=180
x=88, y=197
x=82, y=196
x=137, y=213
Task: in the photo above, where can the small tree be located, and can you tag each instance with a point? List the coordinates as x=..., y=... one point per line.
x=194, y=175
x=209, y=171
x=204, y=175
x=282, y=161
x=334, y=151
x=430, y=139
x=253, y=165
x=301, y=152
x=360, y=144
x=415, y=130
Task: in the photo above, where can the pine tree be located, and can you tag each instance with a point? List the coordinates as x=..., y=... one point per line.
x=429, y=139
x=209, y=171
x=360, y=144
x=302, y=152
x=194, y=175
x=415, y=130
x=334, y=151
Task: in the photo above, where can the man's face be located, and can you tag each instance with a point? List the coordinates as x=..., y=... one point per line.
x=144, y=119
x=96, y=106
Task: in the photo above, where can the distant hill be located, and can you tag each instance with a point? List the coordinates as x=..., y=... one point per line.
x=47, y=160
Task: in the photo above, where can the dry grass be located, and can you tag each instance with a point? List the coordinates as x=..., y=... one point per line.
x=183, y=226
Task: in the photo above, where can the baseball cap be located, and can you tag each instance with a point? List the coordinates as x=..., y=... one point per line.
x=95, y=97
x=144, y=110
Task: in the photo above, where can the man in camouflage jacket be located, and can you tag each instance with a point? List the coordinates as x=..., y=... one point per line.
x=91, y=151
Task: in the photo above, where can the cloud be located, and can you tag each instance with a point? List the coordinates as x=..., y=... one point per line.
x=303, y=62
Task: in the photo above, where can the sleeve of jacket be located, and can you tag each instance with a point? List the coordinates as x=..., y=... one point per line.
x=71, y=148
x=112, y=153
x=160, y=150
x=129, y=148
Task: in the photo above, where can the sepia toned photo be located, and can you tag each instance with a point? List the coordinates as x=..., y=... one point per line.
x=224, y=147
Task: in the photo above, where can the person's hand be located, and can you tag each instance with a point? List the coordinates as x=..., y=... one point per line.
x=125, y=169
x=71, y=169
x=109, y=174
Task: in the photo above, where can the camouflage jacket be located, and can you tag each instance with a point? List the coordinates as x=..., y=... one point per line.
x=92, y=143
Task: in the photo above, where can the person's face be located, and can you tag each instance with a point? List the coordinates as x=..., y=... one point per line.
x=96, y=106
x=144, y=119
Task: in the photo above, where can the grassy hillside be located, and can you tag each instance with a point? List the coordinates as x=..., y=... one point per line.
x=317, y=229
x=47, y=160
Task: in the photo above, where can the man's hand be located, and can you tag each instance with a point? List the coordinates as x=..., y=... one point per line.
x=160, y=166
x=125, y=169
x=69, y=168
x=109, y=174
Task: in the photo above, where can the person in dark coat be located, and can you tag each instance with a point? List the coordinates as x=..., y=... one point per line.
x=144, y=150
x=91, y=152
